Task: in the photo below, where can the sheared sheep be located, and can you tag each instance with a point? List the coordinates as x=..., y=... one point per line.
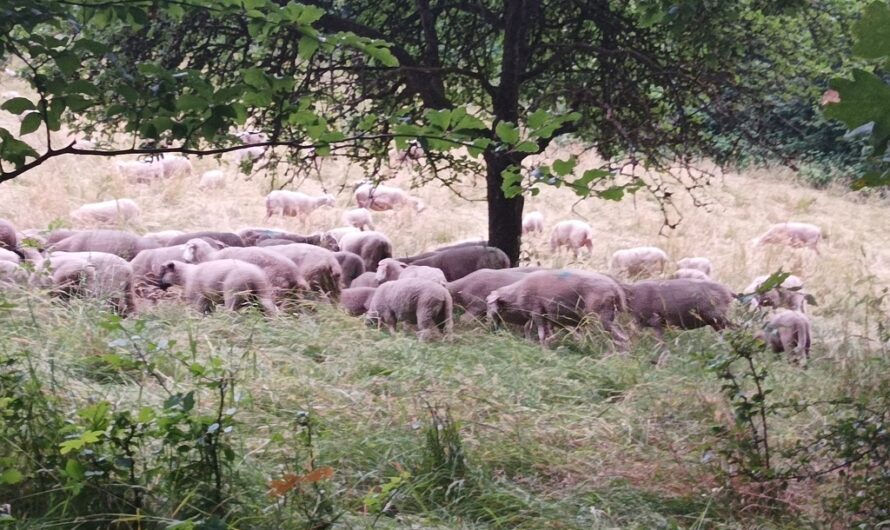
x=470, y=292
x=351, y=266
x=317, y=265
x=140, y=172
x=681, y=303
x=359, y=218
x=92, y=274
x=390, y=270
x=690, y=274
x=426, y=304
x=232, y=282
x=533, y=222
x=357, y=301
x=370, y=245
x=381, y=197
x=795, y=235
x=295, y=203
x=789, y=294
x=789, y=332
x=573, y=234
x=114, y=211
x=698, y=263
x=457, y=262
x=123, y=244
x=638, y=262
x=212, y=179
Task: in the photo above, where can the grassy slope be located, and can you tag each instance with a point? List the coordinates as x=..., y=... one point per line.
x=563, y=438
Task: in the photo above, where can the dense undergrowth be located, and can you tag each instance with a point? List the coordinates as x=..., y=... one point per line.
x=171, y=420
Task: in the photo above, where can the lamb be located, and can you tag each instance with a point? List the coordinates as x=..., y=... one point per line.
x=367, y=279
x=690, y=274
x=172, y=166
x=123, y=244
x=9, y=238
x=357, y=301
x=283, y=273
x=546, y=298
x=573, y=234
x=317, y=265
x=789, y=332
x=359, y=218
x=470, y=292
x=795, y=235
x=682, y=303
x=94, y=274
x=381, y=198
x=294, y=203
x=351, y=267
x=370, y=245
x=212, y=179
x=107, y=212
x=426, y=304
x=390, y=270
x=698, y=263
x=533, y=222
x=787, y=295
x=233, y=282
x=638, y=262
x=228, y=239
x=140, y=172
x=458, y=262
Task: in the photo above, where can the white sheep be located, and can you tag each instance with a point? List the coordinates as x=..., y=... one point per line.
x=113, y=212
x=380, y=198
x=698, y=263
x=639, y=261
x=294, y=203
x=690, y=274
x=795, y=235
x=359, y=218
x=339, y=232
x=533, y=222
x=176, y=165
x=140, y=172
x=214, y=178
x=573, y=234
x=389, y=270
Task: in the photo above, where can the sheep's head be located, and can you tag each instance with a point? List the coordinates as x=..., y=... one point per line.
x=389, y=270
x=169, y=275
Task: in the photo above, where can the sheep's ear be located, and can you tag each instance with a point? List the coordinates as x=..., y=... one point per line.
x=189, y=253
x=170, y=266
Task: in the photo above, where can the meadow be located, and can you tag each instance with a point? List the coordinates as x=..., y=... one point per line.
x=169, y=419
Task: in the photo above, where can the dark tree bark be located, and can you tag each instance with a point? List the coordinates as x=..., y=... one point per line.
x=504, y=214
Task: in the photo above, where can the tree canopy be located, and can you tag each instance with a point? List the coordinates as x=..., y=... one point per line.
x=480, y=84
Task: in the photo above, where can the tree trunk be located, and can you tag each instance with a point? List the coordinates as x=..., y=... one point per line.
x=504, y=215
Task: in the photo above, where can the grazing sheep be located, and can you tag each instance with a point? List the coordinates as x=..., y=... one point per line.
x=367, y=279
x=163, y=237
x=533, y=222
x=381, y=198
x=426, y=304
x=123, y=244
x=789, y=332
x=282, y=272
x=9, y=238
x=113, y=211
x=702, y=264
x=228, y=239
x=57, y=235
x=232, y=282
x=337, y=233
x=359, y=218
x=788, y=294
x=390, y=270
x=795, y=235
x=10, y=256
x=294, y=203
x=147, y=265
x=256, y=236
x=212, y=179
x=13, y=274
x=357, y=301
x=470, y=292
x=254, y=152
x=681, y=303
x=93, y=274
x=573, y=234
x=252, y=137
x=351, y=266
x=317, y=265
x=140, y=172
x=690, y=274
x=458, y=262
x=370, y=245
x=546, y=298
x=172, y=166
x=638, y=262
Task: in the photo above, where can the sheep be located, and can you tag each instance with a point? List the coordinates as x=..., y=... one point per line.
x=359, y=218
x=13, y=274
x=123, y=244
x=146, y=266
x=690, y=274
x=795, y=235
x=390, y=270
x=533, y=222
x=212, y=179
x=228, y=239
x=789, y=332
x=163, y=237
x=787, y=295
x=546, y=298
x=698, y=263
x=357, y=301
x=9, y=238
x=398, y=157
x=283, y=273
x=469, y=293
x=256, y=236
x=458, y=262
x=252, y=137
x=94, y=274
x=140, y=172
x=294, y=203
x=573, y=234
x=253, y=152
x=55, y=236
x=317, y=265
x=381, y=198
x=107, y=212
x=230, y=281
x=172, y=166
x=370, y=245
x=367, y=279
x=682, y=303
x=426, y=304
x=9, y=256
x=351, y=266
x=638, y=262
x=337, y=233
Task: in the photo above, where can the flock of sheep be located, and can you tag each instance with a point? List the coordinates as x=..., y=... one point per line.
x=356, y=267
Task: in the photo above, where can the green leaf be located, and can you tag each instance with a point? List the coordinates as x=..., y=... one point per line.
x=191, y=102
x=564, y=167
x=68, y=62
x=74, y=470
x=775, y=280
x=310, y=14
x=382, y=55
x=527, y=146
x=871, y=179
x=873, y=32
x=441, y=119
x=537, y=119
x=31, y=123
x=255, y=77
x=512, y=180
x=613, y=193
x=864, y=99
x=11, y=476
x=308, y=46
x=17, y=105
x=507, y=132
